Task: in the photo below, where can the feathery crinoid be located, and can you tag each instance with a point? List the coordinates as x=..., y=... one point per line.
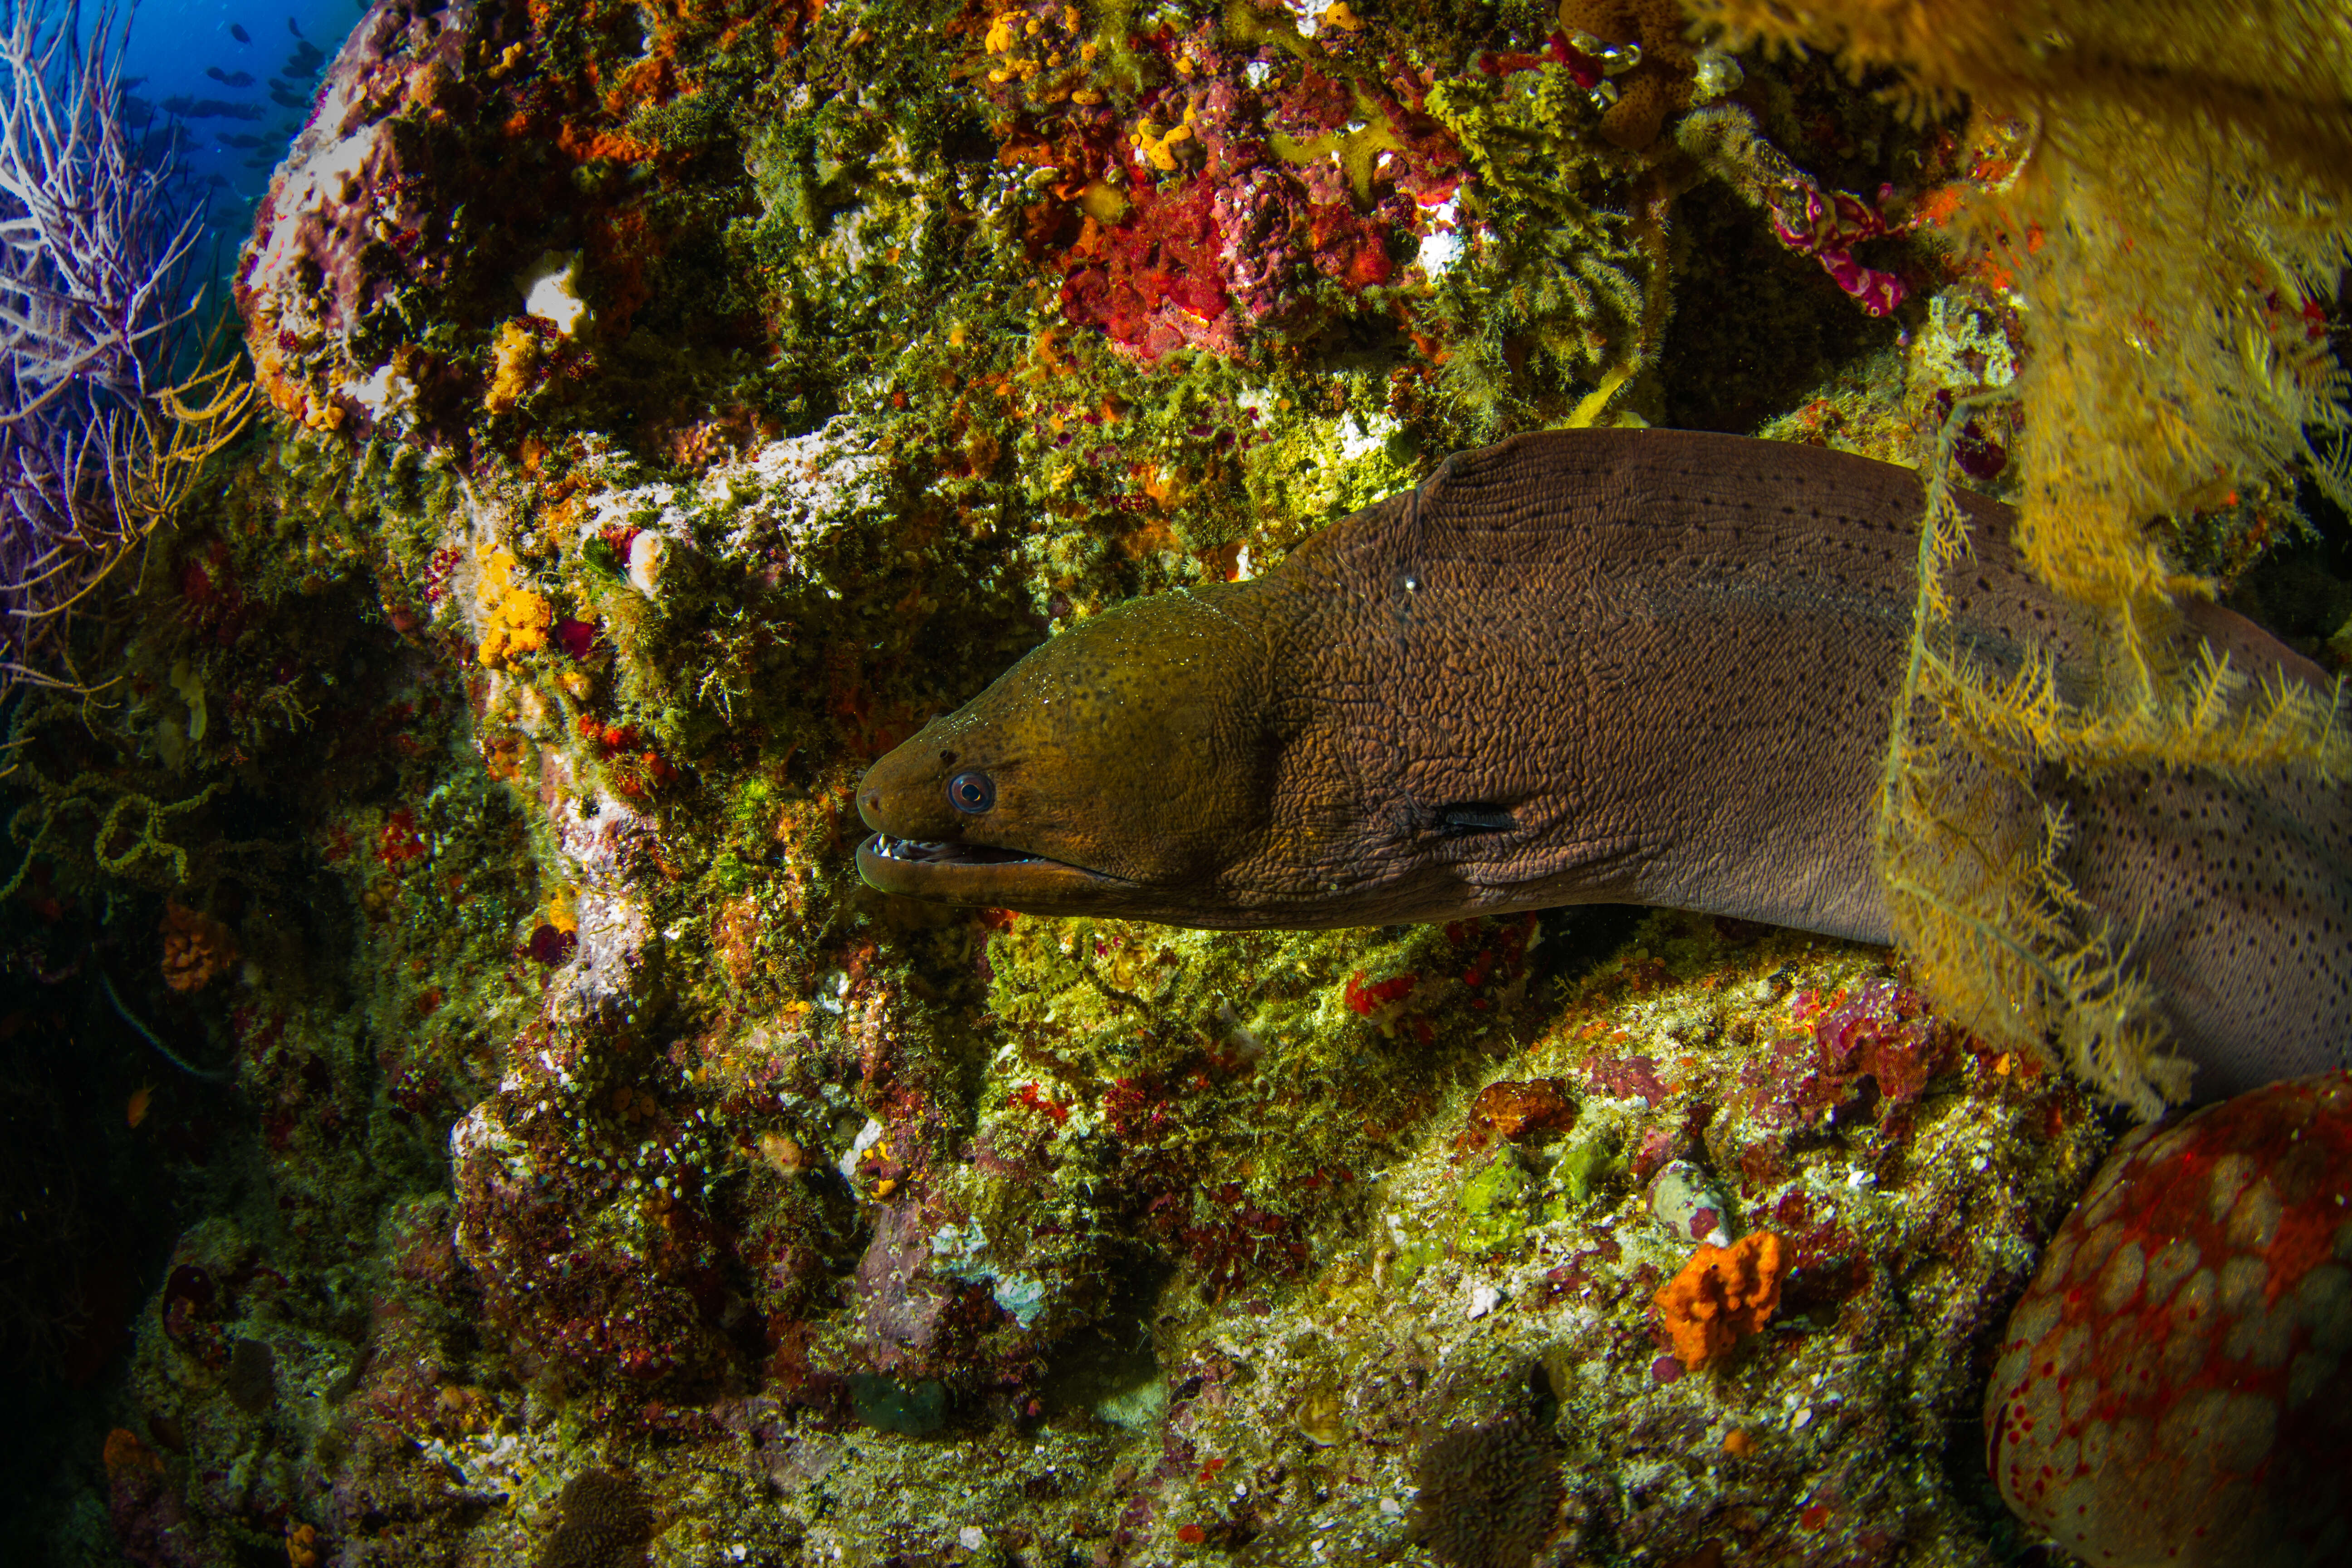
x=1970, y=861
x=2179, y=227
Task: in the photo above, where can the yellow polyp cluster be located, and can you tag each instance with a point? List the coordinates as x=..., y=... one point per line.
x=513, y=357
x=298, y=399
x=1159, y=145
x=1042, y=53
x=561, y=909
x=514, y=619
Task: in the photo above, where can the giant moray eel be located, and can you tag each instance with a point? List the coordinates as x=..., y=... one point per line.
x=1646, y=667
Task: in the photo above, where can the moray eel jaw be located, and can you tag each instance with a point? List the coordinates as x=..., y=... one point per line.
x=981, y=876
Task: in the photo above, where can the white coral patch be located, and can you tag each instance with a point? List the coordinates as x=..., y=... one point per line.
x=387, y=396
x=1440, y=248
x=551, y=290
x=1361, y=436
x=646, y=552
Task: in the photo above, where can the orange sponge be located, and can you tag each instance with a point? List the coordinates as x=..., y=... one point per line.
x=1722, y=1294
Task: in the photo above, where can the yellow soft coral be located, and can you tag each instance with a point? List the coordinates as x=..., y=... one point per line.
x=2178, y=227
x=514, y=618
x=2178, y=223
x=513, y=357
x=1161, y=146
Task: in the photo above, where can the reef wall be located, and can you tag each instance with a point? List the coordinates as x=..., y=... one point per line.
x=672, y=407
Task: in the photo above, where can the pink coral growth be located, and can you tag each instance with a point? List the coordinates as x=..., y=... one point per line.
x=1232, y=241
x=1827, y=226
x=1585, y=69
x=1886, y=1031
x=1876, y=1045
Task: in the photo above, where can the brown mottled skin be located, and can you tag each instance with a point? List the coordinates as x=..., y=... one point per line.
x=1668, y=656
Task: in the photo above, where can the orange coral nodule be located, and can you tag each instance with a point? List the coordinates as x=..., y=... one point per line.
x=195, y=947
x=1722, y=1294
x=124, y=1451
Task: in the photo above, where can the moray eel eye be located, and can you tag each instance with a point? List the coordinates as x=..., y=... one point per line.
x=970, y=792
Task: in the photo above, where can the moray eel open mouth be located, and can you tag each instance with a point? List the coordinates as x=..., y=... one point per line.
x=932, y=852
x=981, y=875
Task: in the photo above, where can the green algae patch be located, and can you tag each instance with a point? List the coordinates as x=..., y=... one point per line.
x=888, y=1405
x=1494, y=1206
x=1588, y=1166
x=1234, y=1087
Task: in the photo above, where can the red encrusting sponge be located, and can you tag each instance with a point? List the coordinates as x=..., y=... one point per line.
x=2175, y=1387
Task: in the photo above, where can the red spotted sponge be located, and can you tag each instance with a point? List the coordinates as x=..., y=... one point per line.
x=2176, y=1387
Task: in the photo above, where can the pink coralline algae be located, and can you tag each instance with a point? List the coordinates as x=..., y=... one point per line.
x=1586, y=59
x=1241, y=214
x=1827, y=226
x=1803, y=216
x=2176, y=1387
x=1876, y=1044
x=904, y=1307
x=346, y=208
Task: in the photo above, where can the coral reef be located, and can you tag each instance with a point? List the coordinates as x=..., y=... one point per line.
x=555, y=1154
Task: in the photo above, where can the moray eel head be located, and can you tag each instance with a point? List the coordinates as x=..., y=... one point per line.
x=1113, y=769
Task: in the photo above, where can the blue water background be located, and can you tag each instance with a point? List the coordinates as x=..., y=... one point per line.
x=173, y=44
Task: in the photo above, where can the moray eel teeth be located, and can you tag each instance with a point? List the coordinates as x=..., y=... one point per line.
x=935, y=852
x=983, y=876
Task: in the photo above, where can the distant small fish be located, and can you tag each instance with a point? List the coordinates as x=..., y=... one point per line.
x=245, y=142
x=285, y=100
x=240, y=34
x=210, y=109
x=134, y=1111
x=229, y=78
x=292, y=29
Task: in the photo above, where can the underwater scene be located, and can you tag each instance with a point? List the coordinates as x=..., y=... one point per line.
x=1103, y=784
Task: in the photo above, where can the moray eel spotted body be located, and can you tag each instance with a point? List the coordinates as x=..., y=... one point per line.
x=1633, y=666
